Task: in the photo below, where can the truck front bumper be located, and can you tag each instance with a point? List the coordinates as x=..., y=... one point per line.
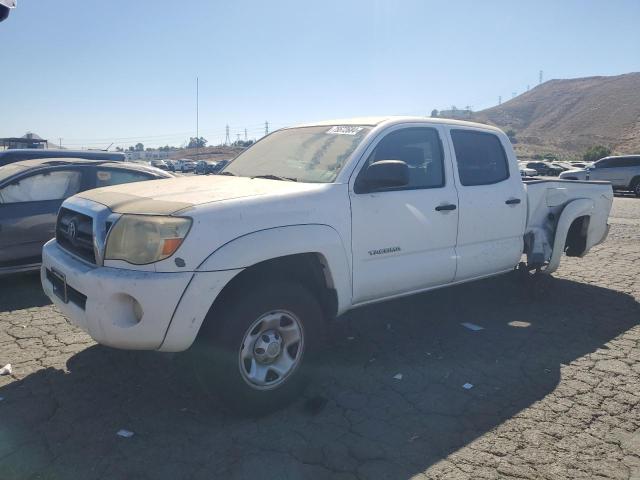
x=129, y=309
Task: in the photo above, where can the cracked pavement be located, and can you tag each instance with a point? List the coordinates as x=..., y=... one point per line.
x=555, y=375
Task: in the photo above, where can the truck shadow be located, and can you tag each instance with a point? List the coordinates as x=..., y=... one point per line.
x=356, y=418
x=20, y=291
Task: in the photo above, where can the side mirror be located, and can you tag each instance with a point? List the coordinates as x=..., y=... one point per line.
x=385, y=174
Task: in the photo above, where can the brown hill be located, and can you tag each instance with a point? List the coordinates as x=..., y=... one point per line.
x=568, y=116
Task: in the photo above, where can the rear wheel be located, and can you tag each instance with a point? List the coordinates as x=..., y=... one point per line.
x=256, y=350
x=635, y=186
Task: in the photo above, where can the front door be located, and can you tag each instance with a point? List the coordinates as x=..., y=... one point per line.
x=403, y=239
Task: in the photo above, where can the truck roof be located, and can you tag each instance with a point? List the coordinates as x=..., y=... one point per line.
x=394, y=119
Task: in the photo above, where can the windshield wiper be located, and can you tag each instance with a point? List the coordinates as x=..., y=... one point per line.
x=276, y=177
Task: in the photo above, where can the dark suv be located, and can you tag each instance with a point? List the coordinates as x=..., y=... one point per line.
x=32, y=191
x=20, y=154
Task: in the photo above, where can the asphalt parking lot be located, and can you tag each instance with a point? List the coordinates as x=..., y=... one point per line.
x=554, y=375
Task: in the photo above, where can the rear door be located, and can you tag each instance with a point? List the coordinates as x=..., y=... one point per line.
x=492, y=206
x=28, y=209
x=403, y=239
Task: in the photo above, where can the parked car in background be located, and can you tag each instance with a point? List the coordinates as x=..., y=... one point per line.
x=544, y=168
x=32, y=191
x=220, y=164
x=526, y=172
x=185, y=165
x=161, y=164
x=171, y=165
x=622, y=171
x=17, y=155
x=575, y=165
x=205, y=167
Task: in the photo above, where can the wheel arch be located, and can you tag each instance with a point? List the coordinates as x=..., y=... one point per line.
x=311, y=254
x=576, y=213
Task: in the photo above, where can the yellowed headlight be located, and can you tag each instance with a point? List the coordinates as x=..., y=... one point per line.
x=142, y=239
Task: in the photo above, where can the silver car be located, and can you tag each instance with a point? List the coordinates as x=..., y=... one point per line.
x=623, y=172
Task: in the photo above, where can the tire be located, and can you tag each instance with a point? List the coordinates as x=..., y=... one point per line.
x=253, y=314
x=635, y=186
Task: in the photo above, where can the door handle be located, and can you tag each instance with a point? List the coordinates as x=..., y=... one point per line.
x=513, y=201
x=449, y=206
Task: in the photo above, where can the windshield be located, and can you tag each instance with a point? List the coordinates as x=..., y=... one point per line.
x=306, y=154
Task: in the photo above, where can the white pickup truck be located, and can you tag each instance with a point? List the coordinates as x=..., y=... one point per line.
x=311, y=221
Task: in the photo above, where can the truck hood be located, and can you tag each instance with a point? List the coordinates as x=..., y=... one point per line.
x=165, y=197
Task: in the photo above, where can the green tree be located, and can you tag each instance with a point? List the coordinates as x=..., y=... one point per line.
x=139, y=147
x=596, y=153
x=511, y=133
x=195, y=142
x=434, y=113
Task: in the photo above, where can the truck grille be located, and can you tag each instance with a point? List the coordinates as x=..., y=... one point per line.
x=74, y=233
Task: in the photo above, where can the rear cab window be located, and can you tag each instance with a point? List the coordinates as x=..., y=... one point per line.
x=480, y=157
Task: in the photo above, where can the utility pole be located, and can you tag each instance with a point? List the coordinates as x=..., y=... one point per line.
x=60, y=141
x=245, y=134
x=238, y=137
x=227, y=140
x=266, y=128
x=540, y=77
x=500, y=100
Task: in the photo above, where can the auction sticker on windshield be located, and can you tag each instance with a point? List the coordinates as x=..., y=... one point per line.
x=344, y=130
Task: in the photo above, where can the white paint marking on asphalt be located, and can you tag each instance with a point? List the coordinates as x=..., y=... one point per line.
x=467, y=386
x=472, y=326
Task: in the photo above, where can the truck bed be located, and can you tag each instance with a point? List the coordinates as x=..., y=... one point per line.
x=546, y=235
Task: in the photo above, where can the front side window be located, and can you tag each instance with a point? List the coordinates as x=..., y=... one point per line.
x=480, y=156
x=107, y=177
x=40, y=187
x=305, y=154
x=420, y=149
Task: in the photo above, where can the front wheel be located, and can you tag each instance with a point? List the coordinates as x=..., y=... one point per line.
x=257, y=348
x=636, y=188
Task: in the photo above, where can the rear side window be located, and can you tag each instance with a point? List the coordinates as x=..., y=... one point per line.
x=480, y=156
x=107, y=177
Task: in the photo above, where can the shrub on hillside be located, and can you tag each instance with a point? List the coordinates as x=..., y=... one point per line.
x=596, y=153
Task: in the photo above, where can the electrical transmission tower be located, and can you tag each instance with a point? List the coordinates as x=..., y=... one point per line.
x=500, y=100
x=540, y=77
x=245, y=134
x=227, y=140
x=266, y=128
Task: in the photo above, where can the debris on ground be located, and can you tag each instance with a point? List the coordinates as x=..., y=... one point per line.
x=6, y=370
x=125, y=433
x=472, y=326
x=350, y=338
x=398, y=376
x=467, y=386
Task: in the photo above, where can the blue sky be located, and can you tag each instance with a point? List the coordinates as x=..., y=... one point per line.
x=93, y=72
